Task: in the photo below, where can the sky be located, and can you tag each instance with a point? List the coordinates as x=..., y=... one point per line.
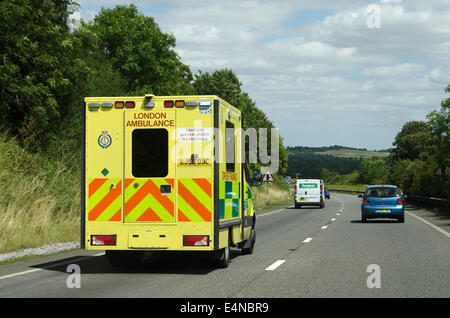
x=347, y=72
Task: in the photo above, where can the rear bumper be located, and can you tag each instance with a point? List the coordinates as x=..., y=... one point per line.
x=314, y=200
x=375, y=211
x=307, y=203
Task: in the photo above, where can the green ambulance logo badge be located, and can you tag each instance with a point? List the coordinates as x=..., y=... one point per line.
x=104, y=140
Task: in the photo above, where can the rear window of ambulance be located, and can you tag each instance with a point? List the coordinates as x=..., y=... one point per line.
x=150, y=153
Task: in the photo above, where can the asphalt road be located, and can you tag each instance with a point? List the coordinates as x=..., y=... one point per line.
x=306, y=252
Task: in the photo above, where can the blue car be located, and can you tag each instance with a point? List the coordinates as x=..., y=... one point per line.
x=327, y=193
x=383, y=201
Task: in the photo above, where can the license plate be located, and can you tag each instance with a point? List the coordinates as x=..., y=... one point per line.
x=303, y=199
x=384, y=210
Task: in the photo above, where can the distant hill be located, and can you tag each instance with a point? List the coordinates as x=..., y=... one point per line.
x=309, y=161
x=341, y=151
x=353, y=153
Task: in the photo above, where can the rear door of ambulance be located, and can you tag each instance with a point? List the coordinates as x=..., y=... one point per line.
x=149, y=177
x=168, y=185
x=194, y=152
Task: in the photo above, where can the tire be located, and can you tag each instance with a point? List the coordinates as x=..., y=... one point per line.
x=223, y=259
x=249, y=250
x=363, y=219
x=322, y=204
x=401, y=219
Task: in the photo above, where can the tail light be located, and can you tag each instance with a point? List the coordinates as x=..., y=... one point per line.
x=399, y=201
x=100, y=240
x=365, y=200
x=295, y=189
x=168, y=103
x=321, y=189
x=129, y=104
x=195, y=240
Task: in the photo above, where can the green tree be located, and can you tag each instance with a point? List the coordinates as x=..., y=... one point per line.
x=39, y=76
x=421, y=147
x=414, y=139
x=439, y=122
x=373, y=171
x=140, y=53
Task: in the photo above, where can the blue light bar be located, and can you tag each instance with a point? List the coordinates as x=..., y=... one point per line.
x=205, y=103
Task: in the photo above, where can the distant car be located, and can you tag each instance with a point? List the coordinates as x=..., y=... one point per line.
x=383, y=201
x=309, y=192
x=327, y=193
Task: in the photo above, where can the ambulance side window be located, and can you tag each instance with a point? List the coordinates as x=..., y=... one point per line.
x=150, y=153
x=229, y=146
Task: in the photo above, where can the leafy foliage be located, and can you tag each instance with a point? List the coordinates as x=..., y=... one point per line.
x=39, y=76
x=47, y=69
x=140, y=52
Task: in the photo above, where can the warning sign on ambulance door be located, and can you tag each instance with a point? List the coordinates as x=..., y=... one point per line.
x=196, y=134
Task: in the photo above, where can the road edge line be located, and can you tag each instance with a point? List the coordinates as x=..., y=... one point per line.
x=437, y=228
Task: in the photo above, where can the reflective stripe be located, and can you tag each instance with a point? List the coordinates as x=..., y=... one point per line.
x=105, y=199
x=229, y=199
x=194, y=200
x=145, y=203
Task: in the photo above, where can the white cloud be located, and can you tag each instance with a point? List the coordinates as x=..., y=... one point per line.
x=334, y=72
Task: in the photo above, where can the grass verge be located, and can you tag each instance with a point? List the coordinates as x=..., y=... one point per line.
x=358, y=187
x=271, y=195
x=40, y=199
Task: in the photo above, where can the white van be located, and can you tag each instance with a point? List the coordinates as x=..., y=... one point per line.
x=309, y=192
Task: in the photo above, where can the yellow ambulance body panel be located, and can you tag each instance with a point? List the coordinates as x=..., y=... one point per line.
x=164, y=173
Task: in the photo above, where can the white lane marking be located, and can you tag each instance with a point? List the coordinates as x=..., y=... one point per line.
x=333, y=219
x=21, y=273
x=268, y=213
x=338, y=214
x=307, y=240
x=324, y=227
x=437, y=228
x=47, y=267
x=275, y=265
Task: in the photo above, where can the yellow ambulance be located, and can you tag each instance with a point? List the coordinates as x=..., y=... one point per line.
x=164, y=173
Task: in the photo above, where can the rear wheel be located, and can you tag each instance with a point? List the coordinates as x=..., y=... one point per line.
x=249, y=250
x=401, y=219
x=224, y=256
x=364, y=219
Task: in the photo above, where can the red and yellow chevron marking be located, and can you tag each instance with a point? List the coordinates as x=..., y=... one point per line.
x=145, y=203
x=194, y=200
x=105, y=199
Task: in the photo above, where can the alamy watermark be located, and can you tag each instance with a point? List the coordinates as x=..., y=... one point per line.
x=374, y=279
x=207, y=145
x=373, y=20
x=74, y=279
x=74, y=16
